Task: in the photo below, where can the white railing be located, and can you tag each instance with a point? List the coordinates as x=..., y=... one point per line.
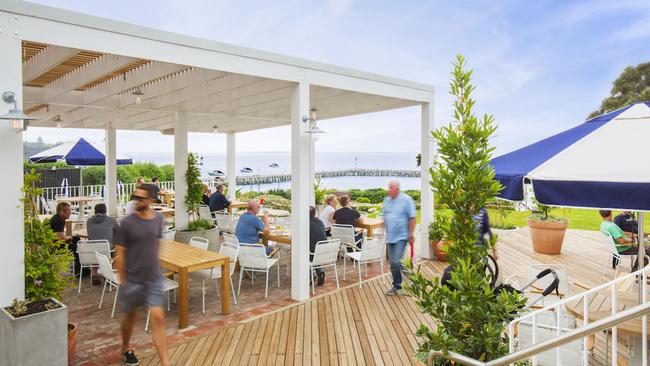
x=562, y=338
x=124, y=191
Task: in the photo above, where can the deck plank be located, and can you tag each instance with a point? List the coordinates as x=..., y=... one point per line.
x=362, y=326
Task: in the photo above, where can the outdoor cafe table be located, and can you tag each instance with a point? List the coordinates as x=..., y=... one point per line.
x=81, y=200
x=600, y=307
x=183, y=259
x=165, y=211
x=278, y=236
x=369, y=224
x=236, y=204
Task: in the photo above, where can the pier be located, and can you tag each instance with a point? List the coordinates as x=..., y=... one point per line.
x=277, y=178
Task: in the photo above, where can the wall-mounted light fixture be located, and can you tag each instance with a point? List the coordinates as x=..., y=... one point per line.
x=58, y=121
x=215, y=129
x=312, y=118
x=15, y=115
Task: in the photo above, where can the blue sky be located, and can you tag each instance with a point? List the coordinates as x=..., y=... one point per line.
x=540, y=66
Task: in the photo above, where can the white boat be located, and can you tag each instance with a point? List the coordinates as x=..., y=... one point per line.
x=246, y=170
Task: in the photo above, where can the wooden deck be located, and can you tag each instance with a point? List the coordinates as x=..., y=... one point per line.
x=356, y=326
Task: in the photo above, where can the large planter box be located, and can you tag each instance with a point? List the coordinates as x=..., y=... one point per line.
x=36, y=339
x=212, y=235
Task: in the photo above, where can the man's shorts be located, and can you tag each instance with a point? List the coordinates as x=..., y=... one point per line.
x=135, y=294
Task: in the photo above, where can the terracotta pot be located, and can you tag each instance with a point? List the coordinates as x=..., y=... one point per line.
x=547, y=236
x=72, y=341
x=438, y=251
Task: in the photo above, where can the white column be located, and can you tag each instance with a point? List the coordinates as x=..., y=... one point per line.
x=180, y=168
x=12, y=280
x=312, y=166
x=231, y=159
x=426, y=200
x=110, y=190
x=300, y=183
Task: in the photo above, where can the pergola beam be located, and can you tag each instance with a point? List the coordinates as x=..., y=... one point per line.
x=45, y=60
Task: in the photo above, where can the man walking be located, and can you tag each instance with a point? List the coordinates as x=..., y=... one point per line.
x=139, y=270
x=399, y=220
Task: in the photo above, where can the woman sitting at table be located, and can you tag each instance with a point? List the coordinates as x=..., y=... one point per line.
x=346, y=215
x=327, y=215
x=206, y=195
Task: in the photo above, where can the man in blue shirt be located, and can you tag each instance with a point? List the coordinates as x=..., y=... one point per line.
x=218, y=201
x=399, y=220
x=249, y=225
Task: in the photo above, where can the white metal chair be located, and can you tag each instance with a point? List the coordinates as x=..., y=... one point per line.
x=86, y=250
x=45, y=205
x=230, y=238
x=169, y=235
x=325, y=254
x=204, y=213
x=168, y=286
x=111, y=278
x=346, y=234
x=373, y=251
x=227, y=249
x=610, y=246
x=253, y=258
x=199, y=242
x=225, y=221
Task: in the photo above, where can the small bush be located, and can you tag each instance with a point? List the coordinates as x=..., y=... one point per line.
x=363, y=200
x=199, y=224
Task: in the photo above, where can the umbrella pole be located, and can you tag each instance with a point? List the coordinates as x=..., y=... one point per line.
x=640, y=259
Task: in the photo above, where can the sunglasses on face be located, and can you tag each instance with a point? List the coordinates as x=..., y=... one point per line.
x=140, y=198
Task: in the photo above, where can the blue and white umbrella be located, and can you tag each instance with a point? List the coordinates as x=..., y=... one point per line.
x=602, y=163
x=78, y=152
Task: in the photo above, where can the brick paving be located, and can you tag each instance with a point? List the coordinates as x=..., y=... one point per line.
x=98, y=338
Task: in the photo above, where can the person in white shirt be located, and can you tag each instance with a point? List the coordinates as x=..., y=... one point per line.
x=327, y=214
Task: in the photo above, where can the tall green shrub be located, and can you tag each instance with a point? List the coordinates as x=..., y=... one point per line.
x=471, y=319
x=194, y=195
x=46, y=257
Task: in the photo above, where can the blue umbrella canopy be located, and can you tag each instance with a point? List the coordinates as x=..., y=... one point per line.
x=601, y=163
x=79, y=152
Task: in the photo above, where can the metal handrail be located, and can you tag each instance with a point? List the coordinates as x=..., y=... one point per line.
x=589, y=329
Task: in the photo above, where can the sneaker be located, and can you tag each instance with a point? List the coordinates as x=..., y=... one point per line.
x=321, y=279
x=394, y=291
x=128, y=358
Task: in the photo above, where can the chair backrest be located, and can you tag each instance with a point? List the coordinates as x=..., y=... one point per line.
x=373, y=249
x=204, y=212
x=326, y=252
x=87, y=248
x=225, y=221
x=105, y=268
x=169, y=235
x=230, y=238
x=543, y=283
x=345, y=233
x=232, y=251
x=199, y=242
x=46, y=207
x=252, y=256
x=608, y=241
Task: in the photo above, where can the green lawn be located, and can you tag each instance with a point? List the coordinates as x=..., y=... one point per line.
x=583, y=219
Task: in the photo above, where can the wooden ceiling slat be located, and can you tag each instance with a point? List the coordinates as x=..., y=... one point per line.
x=71, y=64
x=116, y=73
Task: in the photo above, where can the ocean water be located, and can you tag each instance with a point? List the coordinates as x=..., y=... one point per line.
x=259, y=163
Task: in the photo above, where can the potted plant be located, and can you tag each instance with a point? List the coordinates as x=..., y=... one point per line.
x=546, y=232
x=437, y=237
x=193, y=199
x=470, y=315
x=36, y=331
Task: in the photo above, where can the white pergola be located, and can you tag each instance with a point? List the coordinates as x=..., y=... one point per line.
x=79, y=71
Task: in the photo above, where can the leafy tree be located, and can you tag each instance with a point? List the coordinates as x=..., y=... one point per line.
x=633, y=85
x=471, y=317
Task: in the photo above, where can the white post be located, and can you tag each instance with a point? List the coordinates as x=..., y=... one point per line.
x=180, y=168
x=12, y=281
x=312, y=166
x=300, y=183
x=426, y=195
x=110, y=190
x=231, y=171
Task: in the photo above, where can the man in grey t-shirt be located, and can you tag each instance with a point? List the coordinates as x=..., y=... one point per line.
x=138, y=266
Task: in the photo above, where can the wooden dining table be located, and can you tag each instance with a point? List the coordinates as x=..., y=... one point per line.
x=235, y=204
x=167, y=197
x=278, y=236
x=184, y=259
x=370, y=224
x=166, y=211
